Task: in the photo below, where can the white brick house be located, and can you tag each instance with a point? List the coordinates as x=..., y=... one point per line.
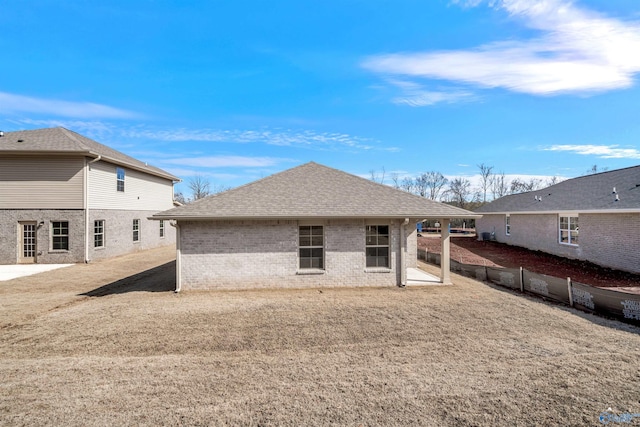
x=594, y=218
x=65, y=198
x=310, y=226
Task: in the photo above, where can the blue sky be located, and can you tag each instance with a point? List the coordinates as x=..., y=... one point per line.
x=237, y=90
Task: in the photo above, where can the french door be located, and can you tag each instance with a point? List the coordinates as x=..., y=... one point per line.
x=28, y=242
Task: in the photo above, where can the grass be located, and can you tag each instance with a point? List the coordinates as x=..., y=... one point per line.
x=468, y=354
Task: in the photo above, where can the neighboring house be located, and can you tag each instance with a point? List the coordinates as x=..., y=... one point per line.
x=594, y=218
x=65, y=198
x=309, y=226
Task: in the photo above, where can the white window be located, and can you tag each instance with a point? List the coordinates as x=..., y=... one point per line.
x=162, y=229
x=98, y=233
x=119, y=179
x=311, y=246
x=60, y=235
x=569, y=230
x=508, y=225
x=377, y=246
x=136, y=230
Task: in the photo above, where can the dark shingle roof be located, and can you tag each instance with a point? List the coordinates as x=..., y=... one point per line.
x=314, y=191
x=585, y=193
x=63, y=141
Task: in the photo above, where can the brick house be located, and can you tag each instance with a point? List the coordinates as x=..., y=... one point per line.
x=594, y=218
x=65, y=198
x=310, y=226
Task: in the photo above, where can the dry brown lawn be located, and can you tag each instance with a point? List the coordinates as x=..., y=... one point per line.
x=467, y=354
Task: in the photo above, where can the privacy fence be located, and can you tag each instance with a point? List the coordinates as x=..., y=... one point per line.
x=585, y=297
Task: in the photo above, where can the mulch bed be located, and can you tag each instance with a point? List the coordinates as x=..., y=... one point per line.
x=468, y=250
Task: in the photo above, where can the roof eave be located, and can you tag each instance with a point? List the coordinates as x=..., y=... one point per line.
x=305, y=217
x=561, y=211
x=135, y=167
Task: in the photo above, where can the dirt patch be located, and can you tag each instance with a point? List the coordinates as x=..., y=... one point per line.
x=467, y=354
x=468, y=250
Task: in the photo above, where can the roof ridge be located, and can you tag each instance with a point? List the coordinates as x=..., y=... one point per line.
x=70, y=135
x=250, y=184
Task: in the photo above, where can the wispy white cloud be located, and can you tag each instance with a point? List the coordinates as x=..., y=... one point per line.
x=225, y=161
x=322, y=141
x=12, y=103
x=578, y=51
x=416, y=95
x=602, y=151
x=277, y=137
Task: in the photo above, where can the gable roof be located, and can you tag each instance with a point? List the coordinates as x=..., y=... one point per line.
x=590, y=193
x=314, y=191
x=63, y=141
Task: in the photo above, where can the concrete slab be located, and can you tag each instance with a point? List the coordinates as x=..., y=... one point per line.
x=415, y=276
x=8, y=272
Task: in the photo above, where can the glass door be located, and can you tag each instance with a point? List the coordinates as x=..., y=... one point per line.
x=28, y=242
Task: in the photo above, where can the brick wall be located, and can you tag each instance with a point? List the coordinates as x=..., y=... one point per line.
x=119, y=233
x=10, y=235
x=258, y=254
x=610, y=240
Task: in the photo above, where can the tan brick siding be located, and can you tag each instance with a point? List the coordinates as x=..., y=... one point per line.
x=260, y=254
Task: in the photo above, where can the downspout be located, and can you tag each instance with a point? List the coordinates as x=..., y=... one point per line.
x=87, y=231
x=403, y=255
x=178, y=258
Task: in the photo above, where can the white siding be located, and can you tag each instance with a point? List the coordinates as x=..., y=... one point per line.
x=141, y=191
x=33, y=182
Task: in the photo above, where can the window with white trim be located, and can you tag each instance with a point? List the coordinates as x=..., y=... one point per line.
x=569, y=230
x=98, y=233
x=377, y=246
x=507, y=223
x=136, y=230
x=119, y=179
x=162, y=228
x=60, y=235
x=311, y=246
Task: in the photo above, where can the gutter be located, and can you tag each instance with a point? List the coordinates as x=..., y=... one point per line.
x=86, y=206
x=403, y=250
x=178, y=258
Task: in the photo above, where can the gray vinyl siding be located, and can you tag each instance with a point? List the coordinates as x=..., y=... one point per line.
x=34, y=182
x=141, y=191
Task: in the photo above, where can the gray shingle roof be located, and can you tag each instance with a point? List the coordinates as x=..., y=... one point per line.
x=585, y=193
x=63, y=141
x=314, y=191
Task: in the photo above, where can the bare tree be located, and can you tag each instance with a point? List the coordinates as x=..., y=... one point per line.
x=459, y=192
x=179, y=197
x=595, y=169
x=552, y=181
x=520, y=186
x=408, y=185
x=219, y=188
x=486, y=173
x=375, y=177
x=199, y=186
x=499, y=186
x=395, y=178
x=430, y=184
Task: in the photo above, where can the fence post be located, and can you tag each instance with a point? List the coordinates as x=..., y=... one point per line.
x=521, y=280
x=570, y=291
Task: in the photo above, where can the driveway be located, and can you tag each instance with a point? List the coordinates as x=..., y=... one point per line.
x=9, y=272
